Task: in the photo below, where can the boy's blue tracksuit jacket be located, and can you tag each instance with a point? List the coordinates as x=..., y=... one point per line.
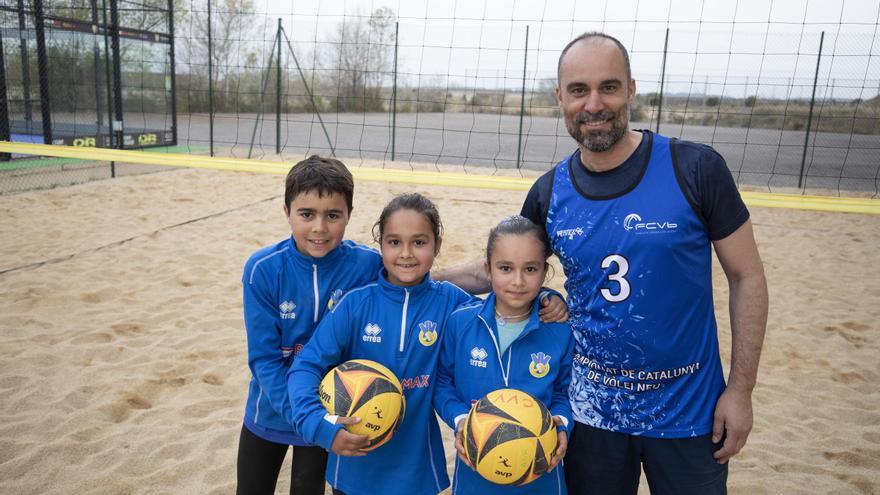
x=537, y=362
x=285, y=295
x=399, y=327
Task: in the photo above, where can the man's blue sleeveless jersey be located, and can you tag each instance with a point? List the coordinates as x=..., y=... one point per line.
x=639, y=282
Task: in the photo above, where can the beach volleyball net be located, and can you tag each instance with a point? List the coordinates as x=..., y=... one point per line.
x=789, y=97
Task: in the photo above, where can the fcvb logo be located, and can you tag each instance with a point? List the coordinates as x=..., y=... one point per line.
x=334, y=299
x=540, y=365
x=286, y=310
x=634, y=222
x=371, y=333
x=478, y=357
x=427, y=333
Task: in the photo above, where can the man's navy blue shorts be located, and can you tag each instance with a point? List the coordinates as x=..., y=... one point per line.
x=600, y=462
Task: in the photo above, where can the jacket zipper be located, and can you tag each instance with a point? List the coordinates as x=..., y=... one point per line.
x=505, y=372
x=315, y=279
x=403, y=318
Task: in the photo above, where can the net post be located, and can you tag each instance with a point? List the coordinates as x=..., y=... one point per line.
x=522, y=103
x=278, y=93
x=394, y=92
x=810, y=114
x=662, y=81
x=210, y=83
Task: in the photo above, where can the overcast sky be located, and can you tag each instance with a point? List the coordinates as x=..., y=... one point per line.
x=739, y=47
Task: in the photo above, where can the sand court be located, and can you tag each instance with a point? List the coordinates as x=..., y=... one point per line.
x=122, y=350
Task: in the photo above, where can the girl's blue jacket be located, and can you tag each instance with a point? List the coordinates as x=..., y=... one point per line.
x=399, y=327
x=285, y=295
x=537, y=362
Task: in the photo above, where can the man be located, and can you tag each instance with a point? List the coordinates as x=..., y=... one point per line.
x=632, y=216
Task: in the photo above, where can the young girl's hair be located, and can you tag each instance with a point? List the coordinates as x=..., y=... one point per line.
x=415, y=202
x=517, y=225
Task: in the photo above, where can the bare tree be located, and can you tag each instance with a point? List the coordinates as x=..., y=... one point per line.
x=233, y=28
x=360, y=60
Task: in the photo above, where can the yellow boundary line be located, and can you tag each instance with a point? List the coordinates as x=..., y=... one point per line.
x=771, y=200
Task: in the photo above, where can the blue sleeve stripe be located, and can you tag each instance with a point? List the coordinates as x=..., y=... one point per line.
x=469, y=306
x=257, y=263
x=466, y=293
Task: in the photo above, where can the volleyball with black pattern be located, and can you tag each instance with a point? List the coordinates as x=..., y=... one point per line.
x=367, y=390
x=509, y=437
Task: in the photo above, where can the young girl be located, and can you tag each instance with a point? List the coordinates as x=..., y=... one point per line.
x=501, y=343
x=408, y=309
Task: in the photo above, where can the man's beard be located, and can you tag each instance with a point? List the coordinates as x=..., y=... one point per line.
x=598, y=140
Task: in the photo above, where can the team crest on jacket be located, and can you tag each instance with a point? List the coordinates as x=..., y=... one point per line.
x=427, y=333
x=371, y=333
x=286, y=310
x=540, y=365
x=334, y=298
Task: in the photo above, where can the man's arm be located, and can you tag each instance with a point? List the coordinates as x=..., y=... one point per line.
x=470, y=276
x=741, y=262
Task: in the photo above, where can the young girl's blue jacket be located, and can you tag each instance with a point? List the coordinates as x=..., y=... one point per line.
x=537, y=362
x=285, y=295
x=400, y=328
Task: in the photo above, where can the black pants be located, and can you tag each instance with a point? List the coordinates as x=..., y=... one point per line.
x=601, y=462
x=259, y=462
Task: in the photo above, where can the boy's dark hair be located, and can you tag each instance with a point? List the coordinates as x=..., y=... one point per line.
x=517, y=225
x=324, y=175
x=417, y=203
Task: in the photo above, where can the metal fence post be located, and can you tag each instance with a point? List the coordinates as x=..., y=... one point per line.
x=394, y=92
x=43, y=64
x=522, y=103
x=108, y=79
x=810, y=114
x=662, y=81
x=96, y=54
x=278, y=94
x=171, y=61
x=25, y=65
x=210, y=82
x=4, y=106
x=118, y=124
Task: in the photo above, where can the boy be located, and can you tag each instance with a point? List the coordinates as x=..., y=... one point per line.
x=287, y=288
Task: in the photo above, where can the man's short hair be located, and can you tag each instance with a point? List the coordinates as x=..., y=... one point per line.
x=323, y=175
x=594, y=34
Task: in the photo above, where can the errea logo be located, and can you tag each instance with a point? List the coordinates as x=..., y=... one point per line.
x=371, y=333
x=633, y=222
x=286, y=310
x=478, y=357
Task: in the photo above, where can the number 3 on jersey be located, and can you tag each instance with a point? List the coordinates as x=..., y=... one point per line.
x=619, y=276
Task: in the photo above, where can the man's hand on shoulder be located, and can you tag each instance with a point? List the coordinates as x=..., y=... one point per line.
x=553, y=309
